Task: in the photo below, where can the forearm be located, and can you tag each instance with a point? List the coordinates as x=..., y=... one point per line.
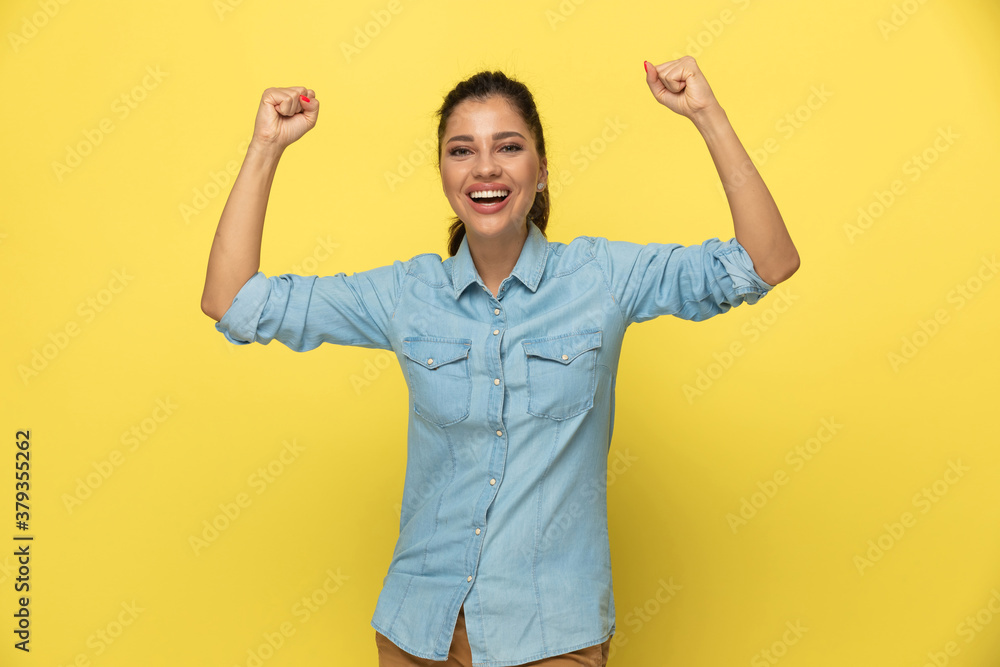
x=235, y=254
x=758, y=224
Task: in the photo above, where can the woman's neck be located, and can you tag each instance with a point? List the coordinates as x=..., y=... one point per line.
x=495, y=258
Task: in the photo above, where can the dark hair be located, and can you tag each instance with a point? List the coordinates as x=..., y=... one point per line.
x=479, y=87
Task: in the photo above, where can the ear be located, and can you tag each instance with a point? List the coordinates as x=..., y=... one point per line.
x=544, y=169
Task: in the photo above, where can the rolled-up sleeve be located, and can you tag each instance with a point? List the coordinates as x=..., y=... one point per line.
x=691, y=282
x=303, y=312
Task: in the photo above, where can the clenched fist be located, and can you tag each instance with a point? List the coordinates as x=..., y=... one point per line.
x=680, y=86
x=284, y=115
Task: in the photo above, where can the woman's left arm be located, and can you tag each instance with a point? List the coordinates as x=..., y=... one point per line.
x=680, y=86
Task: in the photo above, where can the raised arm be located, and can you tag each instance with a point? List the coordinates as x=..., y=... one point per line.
x=284, y=115
x=680, y=86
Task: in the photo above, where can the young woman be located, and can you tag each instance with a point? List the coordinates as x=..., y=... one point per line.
x=510, y=350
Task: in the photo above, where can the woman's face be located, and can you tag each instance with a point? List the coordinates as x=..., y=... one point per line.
x=488, y=145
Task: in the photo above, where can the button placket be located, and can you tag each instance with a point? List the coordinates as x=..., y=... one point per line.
x=496, y=381
x=496, y=407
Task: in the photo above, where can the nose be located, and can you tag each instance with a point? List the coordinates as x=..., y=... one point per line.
x=486, y=165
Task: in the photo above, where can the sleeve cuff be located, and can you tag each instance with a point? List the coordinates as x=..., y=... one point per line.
x=239, y=324
x=747, y=285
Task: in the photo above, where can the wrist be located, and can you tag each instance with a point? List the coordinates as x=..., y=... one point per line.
x=710, y=121
x=264, y=152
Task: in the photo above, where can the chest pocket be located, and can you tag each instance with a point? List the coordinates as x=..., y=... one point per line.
x=562, y=374
x=440, y=377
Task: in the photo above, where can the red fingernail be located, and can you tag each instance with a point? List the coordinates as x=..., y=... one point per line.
x=304, y=98
x=645, y=66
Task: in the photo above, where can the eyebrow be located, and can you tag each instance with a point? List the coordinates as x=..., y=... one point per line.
x=497, y=136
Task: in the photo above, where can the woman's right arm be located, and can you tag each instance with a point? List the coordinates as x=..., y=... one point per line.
x=282, y=117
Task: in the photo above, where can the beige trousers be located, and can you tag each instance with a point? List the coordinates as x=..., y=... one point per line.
x=390, y=655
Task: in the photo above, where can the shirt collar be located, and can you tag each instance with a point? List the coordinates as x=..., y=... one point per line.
x=528, y=269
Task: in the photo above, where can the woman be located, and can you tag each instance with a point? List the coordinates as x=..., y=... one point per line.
x=510, y=350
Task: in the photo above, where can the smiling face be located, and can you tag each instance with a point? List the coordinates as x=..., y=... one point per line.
x=487, y=145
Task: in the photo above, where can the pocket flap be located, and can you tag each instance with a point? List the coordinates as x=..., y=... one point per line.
x=564, y=348
x=433, y=352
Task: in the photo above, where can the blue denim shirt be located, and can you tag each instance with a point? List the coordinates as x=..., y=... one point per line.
x=511, y=413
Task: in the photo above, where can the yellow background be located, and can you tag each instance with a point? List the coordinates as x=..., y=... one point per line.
x=685, y=462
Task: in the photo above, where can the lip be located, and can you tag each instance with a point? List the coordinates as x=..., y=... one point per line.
x=488, y=208
x=488, y=186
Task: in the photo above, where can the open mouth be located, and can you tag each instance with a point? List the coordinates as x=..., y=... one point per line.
x=488, y=201
x=491, y=196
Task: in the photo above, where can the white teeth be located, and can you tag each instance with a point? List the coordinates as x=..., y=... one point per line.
x=488, y=193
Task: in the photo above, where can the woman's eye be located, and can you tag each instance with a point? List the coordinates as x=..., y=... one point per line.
x=458, y=152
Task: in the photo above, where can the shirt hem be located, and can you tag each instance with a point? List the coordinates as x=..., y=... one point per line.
x=543, y=654
x=494, y=663
x=420, y=654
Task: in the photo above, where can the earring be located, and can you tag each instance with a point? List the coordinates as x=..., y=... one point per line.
x=541, y=185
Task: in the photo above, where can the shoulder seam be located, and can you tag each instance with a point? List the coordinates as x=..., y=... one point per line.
x=399, y=290
x=604, y=277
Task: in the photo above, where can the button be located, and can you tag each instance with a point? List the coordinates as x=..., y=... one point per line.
x=431, y=361
x=496, y=311
x=496, y=380
x=499, y=432
x=469, y=578
x=492, y=482
x=477, y=531
x=565, y=356
x=496, y=331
